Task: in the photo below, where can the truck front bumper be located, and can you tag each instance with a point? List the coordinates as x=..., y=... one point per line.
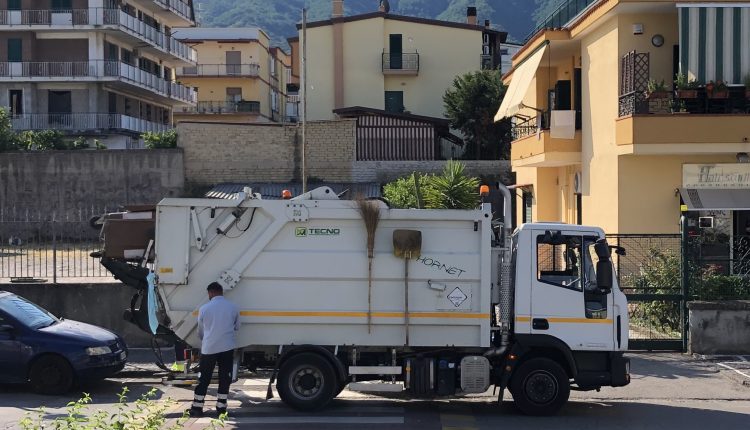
x=620, y=366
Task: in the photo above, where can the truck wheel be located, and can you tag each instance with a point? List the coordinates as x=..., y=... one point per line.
x=51, y=374
x=540, y=387
x=307, y=382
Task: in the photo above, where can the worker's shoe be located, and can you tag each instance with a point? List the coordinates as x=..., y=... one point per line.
x=221, y=411
x=195, y=412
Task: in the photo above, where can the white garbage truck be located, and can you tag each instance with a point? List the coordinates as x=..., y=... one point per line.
x=431, y=303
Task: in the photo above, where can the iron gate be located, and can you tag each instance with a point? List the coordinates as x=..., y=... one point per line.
x=651, y=277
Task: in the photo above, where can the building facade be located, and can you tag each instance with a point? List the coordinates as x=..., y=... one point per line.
x=390, y=62
x=599, y=140
x=101, y=69
x=239, y=76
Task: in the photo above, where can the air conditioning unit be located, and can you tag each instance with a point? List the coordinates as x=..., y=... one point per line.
x=577, y=183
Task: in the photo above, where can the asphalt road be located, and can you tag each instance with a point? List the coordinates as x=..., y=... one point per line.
x=667, y=391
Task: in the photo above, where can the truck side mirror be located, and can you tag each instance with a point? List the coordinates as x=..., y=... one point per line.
x=604, y=275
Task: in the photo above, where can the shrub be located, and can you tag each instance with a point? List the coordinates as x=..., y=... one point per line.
x=146, y=413
x=402, y=193
x=79, y=143
x=452, y=189
x=167, y=139
x=45, y=140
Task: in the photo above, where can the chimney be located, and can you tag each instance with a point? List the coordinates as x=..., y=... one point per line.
x=487, y=23
x=338, y=9
x=471, y=15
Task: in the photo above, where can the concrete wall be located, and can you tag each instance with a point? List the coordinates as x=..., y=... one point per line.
x=63, y=182
x=98, y=304
x=719, y=327
x=216, y=153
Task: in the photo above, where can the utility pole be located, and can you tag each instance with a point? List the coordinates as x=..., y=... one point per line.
x=304, y=100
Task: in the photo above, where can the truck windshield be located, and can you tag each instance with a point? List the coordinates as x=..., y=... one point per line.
x=26, y=313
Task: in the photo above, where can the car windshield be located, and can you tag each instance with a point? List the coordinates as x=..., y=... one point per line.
x=26, y=312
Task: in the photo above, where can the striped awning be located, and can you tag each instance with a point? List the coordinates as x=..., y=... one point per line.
x=714, y=42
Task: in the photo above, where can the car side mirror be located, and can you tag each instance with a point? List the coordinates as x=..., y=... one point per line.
x=604, y=276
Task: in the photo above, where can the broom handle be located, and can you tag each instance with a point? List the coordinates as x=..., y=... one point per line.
x=406, y=297
x=369, y=298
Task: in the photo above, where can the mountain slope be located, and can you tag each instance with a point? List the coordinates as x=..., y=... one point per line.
x=278, y=17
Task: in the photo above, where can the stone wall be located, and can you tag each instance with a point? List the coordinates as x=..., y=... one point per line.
x=216, y=153
x=63, y=183
x=719, y=327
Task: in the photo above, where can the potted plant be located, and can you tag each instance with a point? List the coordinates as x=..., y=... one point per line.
x=657, y=96
x=746, y=81
x=717, y=90
x=686, y=88
x=678, y=106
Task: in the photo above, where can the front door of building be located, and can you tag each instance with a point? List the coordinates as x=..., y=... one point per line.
x=394, y=101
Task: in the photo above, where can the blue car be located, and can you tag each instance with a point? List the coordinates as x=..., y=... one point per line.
x=50, y=353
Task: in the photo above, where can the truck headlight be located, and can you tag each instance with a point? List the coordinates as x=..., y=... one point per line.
x=98, y=350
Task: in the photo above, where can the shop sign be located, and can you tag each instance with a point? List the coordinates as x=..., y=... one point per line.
x=716, y=176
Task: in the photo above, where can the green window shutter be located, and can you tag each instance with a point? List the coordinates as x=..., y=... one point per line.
x=14, y=4
x=15, y=50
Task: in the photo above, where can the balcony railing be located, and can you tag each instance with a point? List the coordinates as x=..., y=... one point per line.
x=528, y=127
x=96, y=70
x=98, y=17
x=400, y=63
x=223, y=107
x=564, y=13
x=220, y=70
x=77, y=122
x=177, y=6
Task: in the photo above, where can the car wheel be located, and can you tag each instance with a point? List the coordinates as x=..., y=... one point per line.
x=307, y=382
x=540, y=386
x=51, y=374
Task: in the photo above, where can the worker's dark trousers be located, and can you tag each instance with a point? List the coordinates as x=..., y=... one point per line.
x=207, y=364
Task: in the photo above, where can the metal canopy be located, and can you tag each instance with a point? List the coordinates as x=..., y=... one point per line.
x=713, y=199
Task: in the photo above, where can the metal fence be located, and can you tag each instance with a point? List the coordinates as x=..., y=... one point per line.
x=48, y=247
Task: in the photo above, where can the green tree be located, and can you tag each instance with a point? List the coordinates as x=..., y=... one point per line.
x=470, y=105
x=167, y=139
x=8, y=138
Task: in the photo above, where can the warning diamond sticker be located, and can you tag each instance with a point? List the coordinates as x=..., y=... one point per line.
x=457, y=297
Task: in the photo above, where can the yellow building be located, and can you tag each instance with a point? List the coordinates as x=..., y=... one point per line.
x=593, y=144
x=239, y=77
x=390, y=62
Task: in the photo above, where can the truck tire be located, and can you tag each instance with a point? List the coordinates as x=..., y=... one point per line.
x=51, y=374
x=540, y=387
x=307, y=382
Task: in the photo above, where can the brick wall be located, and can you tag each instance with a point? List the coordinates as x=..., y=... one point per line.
x=216, y=153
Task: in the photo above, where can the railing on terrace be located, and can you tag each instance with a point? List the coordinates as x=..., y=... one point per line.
x=177, y=6
x=220, y=70
x=528, y=127
x=149, y=80
x=400, y=62
x=85, y=121
x=564, y=13
x=98, y=17
x=221, y=107
x=49, y=69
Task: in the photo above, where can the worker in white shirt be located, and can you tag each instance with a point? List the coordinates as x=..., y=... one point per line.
x=218, y=322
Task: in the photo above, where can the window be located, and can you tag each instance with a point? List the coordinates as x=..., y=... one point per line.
x=234, y=94
x=528, y=200
x=26, y=312
x=14, y=4
x=127, y=56
x=15, y=50
x=559, y=260
x=61, y=5
x=15, y=97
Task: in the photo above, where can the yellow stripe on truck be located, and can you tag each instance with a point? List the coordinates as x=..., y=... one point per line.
x=523, y=319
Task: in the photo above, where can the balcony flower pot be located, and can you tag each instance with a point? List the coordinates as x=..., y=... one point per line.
x=687, y=94
x=686, y=88
x=658, y=101
x=717, y=90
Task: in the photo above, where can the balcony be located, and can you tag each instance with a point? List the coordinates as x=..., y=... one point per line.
x=564, y=13
x=220, y=70
x=93, y=71
x=223, y=107
x=178, y=7
x=534, y=146
x=91, y=18
x=86, y=122
x=400, y=64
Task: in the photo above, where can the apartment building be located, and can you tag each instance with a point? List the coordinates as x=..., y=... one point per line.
x=599, y=140
x=101, y=69
x=239, y=77
x=399, y=64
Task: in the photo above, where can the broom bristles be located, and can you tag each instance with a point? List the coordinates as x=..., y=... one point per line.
x=370, y=213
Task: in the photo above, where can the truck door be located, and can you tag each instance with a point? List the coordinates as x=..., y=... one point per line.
x=565, y=301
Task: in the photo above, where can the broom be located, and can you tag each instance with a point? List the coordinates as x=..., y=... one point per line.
x=370, y=213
